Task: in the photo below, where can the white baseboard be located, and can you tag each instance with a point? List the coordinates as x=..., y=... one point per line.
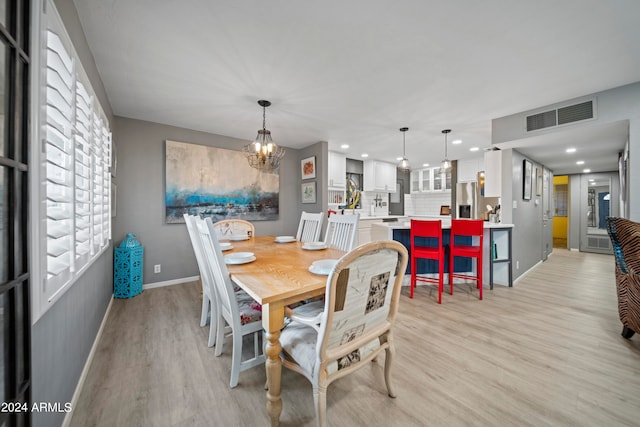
x=527, y=272
x=574, y=249
x=170, y=282
x=87, y=365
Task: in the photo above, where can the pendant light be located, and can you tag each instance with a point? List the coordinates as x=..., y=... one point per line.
x=404, y=163
x=446, y=164
x=263, y=153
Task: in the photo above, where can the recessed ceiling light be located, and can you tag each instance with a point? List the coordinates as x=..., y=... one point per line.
x=586, y=170
x=456, y=141
x=474, y=149
x=593, y=183
x=571, y=150
x=591, y=180
x=580, y=162
x=344, y=146
x=425, y=164
x=364, y=155
x=399, y=158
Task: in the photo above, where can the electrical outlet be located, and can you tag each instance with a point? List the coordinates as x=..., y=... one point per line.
x=156, y=268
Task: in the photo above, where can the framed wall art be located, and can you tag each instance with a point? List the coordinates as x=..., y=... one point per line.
x=309, y=192
x=308, y=167
x=216, y=183
x=526, y=179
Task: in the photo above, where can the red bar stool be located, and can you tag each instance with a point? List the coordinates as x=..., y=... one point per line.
x=424, y=229
x=471, y=228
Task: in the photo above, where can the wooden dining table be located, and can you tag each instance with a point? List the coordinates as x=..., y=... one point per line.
x=279, y=276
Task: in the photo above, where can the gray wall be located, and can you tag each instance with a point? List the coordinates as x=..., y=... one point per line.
x=140, y=199
x=613, y=105
x=62, y=338
x=527, y=219
x=321, y=151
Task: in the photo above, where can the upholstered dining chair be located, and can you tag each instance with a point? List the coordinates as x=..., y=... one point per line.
x=356, y=324
x=207, y=313
x=342, y=231
x=235, y=308
x=309, y=227
x=625, y=239
x=229, y=228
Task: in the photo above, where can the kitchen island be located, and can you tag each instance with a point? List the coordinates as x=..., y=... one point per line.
x=497, y=266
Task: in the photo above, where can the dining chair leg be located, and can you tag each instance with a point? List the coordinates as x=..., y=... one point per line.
x=320, y=400
x=204, y=315
x=440, y=279
x=213, y=331
x=451, y=259
x=388, y=361
x=220, y=327
x=479, y=262
x=413, y=277
x=236, y=358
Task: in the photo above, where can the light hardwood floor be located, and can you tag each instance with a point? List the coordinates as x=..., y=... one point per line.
x=547, y=352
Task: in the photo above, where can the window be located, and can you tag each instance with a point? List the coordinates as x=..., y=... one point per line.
x=74, y=177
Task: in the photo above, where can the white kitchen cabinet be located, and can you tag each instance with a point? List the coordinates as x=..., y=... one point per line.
x=468, y=169
x=337, y=171
x=379, y=176
x=430, y=179
x=493, y=173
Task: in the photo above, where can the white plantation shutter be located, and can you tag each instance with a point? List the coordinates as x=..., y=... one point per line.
x=59, y=161
x=75, y=174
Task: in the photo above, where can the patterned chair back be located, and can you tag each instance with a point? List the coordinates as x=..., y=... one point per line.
x=361, y=302
x=226, y=228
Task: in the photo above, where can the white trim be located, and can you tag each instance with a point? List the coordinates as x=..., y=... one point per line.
x=527, y=272
x=87, y=365
x=574, y=249
x=170, y=282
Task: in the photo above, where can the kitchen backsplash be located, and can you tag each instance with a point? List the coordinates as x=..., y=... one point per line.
x=425, y=204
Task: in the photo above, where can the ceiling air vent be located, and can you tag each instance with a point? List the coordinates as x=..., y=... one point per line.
x=575, y=113
x=561, y=116
x=541, y=120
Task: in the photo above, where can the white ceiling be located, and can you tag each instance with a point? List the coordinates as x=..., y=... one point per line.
x=354, y=72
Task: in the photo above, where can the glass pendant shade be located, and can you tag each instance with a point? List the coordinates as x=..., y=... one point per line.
x=446, y=163
x=404, y=165
x=263, y=153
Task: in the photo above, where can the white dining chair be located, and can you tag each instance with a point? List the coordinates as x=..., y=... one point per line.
x=207, y=313
x=356, y=324
x=342, y=231
x=235, y=309
x=309, y=227
x=228, y=228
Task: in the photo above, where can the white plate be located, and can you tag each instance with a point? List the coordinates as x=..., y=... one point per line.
x=239, y=261
x=238, y=237
x=323, y=266
x=225, y=246
x=314, y=246
x=239, y=257
x=285, y=239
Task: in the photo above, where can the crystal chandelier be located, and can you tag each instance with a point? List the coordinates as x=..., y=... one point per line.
x=262, y=153
x=404, y=163
x=446, y=164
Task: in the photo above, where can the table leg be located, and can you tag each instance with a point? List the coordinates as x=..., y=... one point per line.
x=273, y=322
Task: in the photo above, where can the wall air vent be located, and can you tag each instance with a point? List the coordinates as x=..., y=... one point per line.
x=560, y=116
x=575, y=113
x=541, y=120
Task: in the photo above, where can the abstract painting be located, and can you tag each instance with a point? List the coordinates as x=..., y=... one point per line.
x=216, y=183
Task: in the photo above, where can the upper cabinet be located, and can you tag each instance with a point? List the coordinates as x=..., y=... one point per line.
x=379, y=176
x=337, y=171
x=468, y=169
x=430, y=179
x=493, y=173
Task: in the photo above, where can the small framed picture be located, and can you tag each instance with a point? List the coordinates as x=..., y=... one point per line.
x=526, y=179
x=308, y=167
x=309, y=192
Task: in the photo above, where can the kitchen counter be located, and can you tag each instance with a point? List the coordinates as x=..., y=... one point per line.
x=406, y=225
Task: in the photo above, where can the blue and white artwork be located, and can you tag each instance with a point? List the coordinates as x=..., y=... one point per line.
x=217, y=183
